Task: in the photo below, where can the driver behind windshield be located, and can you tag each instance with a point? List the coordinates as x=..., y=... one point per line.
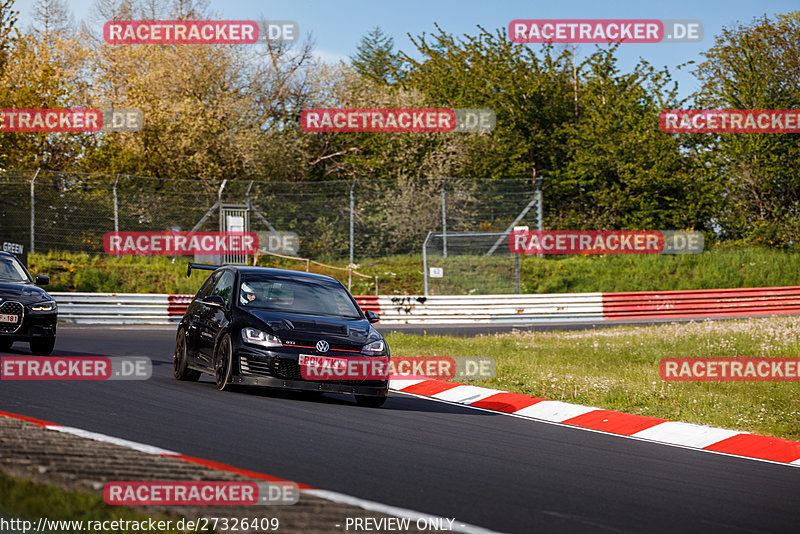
x=247, y=295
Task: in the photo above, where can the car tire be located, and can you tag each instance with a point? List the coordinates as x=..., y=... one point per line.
x=180, y=368
x=369, y=401
x=223, y=359
x=5, y=343
x=43, y=346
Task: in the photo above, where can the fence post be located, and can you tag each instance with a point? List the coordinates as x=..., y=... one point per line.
x=444, y=223
x=33, y=211
x=349, y=277
x=376, y=285
x=116, y=206
x=539, y=216
x=425, y=261
x=219, y=202
x=352, y=186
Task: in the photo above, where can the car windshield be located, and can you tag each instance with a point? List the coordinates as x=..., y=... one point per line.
x=306, y=296
x=12, y=270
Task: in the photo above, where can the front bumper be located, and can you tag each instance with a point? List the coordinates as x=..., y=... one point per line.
x=34, y=325
x=307, y=385
x=280, y=369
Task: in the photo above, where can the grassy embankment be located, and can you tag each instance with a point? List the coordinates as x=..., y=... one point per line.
x=26, y=500
x=402, y=275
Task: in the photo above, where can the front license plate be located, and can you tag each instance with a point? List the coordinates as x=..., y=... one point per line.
x=8, y=318
x=311, y=360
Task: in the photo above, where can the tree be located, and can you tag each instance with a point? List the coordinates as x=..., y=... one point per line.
x=8, y=18
x=375, y=58
x=52, y=17
x=530, y=94
x=621, y=171
x=754, y=66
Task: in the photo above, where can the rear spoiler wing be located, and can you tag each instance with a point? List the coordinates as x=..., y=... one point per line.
x=203, y=266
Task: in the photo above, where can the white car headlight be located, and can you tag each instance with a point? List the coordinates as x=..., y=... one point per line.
x=257, y=337
x=48, y=305
x=375, y=348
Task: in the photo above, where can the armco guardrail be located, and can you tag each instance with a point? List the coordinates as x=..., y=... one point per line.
x=137, y=308
x=564, y=307
x=702, y=303
x=121, y=308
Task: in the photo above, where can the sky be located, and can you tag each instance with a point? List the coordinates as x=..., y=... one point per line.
x=337, y=26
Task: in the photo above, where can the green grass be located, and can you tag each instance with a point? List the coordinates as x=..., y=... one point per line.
x=618, y=369
x=716, y=268
x=28, y=500
x=402, y=275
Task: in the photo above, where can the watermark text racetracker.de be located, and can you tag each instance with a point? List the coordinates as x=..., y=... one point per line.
x=605, y=242
x=200, y=31
x=63, y=120
x=204, y=493
x=730, y=369
x=180, y=243
x=397, y=120
x=316, y=367
x=604, y=31
x=730, y=121
x=75, y=368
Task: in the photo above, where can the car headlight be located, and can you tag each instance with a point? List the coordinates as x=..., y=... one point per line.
x=48, y=305
x=376, y=348
x=257, y=337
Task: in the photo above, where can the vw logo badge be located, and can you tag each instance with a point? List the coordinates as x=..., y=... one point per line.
x=322, y=345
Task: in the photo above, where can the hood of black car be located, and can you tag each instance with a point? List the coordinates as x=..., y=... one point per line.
x=314, y=327
x=22, y=293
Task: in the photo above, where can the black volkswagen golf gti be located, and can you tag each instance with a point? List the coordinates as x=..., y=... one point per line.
x=263, y=327
x=27, y=312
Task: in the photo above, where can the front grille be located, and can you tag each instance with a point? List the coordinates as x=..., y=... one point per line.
x=277, y=367
x=287, y=369
x=253, y=366
x=11, y=308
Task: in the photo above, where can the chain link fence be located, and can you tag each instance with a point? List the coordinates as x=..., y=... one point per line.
x=344, y=220
x=469, y=264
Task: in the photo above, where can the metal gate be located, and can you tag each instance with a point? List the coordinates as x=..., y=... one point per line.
x=234, y=218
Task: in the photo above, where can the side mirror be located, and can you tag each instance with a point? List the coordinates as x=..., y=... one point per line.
x=42, y=280
x=215, y=301
x=372, y=317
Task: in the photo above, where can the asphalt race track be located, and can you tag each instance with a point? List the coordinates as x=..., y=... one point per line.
x=495, y=471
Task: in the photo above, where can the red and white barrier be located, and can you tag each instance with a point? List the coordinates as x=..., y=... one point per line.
x=137, y=308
